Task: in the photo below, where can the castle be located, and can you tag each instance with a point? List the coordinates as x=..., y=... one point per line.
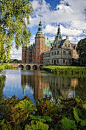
x=54, y=52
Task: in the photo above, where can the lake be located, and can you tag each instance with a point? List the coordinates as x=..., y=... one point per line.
x=37, y=83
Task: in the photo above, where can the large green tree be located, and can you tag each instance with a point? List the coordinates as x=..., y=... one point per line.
x=81, y=49
x=2, y=50
x=13, y=14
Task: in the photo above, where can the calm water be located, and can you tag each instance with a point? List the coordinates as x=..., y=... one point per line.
x=37, y=83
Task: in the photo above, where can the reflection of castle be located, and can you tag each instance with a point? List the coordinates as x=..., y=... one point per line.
x=36, y=82
x=48, y=84
x=74, y=82
x=60, y=86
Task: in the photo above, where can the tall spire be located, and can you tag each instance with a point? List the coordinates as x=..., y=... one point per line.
x=59, y=33
x=40, y=27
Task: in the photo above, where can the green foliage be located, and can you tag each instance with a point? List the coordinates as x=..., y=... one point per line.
x=83, y=122
x=2, y=80
x=81, y=49
x=26, y=105
x=76, y=116
x=68, y=124
x=35, y=125
x=40, y=118
x=68, y=71
x=13, y=16
x=5, y=66
x=66, y=114
x=2, y=50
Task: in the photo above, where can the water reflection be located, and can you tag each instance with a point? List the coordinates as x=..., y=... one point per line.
x=38, y=83
x=44, y=83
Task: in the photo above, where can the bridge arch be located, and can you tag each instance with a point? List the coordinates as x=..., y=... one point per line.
x=28, y=67
x=34, y=67
x=21, y=66
x=40, y=66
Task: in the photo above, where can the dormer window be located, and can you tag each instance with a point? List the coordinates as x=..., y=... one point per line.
x=68, y=45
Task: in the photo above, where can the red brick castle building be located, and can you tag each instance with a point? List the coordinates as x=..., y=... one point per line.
x=34, y=53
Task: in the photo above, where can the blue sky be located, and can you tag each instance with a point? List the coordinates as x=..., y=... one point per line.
x=71, y=14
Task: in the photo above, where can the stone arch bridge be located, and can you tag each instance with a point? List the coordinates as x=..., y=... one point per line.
x=26, y=66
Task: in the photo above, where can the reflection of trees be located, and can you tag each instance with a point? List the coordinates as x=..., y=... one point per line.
x=80, y=90
x=2, y=81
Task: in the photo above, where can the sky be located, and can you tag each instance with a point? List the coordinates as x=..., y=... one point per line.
x=71, y=14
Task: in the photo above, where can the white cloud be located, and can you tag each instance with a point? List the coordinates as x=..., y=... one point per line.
x=50, y=29
x=16, y=54
x=68, y=31
x=65, y=31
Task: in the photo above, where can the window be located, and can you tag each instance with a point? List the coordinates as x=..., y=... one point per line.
x=52, y=53
x=64, y=52
x=69, y=61
x=52, y=61
x=57, y=61
x=76, y=52
x=63, y=60
x=69, y=52
x=68, y=45
x=57, y=52
x=38, y=50
x=55, y=45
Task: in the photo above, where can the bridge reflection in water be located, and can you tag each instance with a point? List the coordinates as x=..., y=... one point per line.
x=26, y=66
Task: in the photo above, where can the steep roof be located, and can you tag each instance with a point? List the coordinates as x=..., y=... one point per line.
x=48, y=43
x=58, y=36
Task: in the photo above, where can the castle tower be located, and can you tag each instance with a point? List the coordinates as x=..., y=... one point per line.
x=39, y=44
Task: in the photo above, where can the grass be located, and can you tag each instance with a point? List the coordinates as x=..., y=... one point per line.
x=70, y=71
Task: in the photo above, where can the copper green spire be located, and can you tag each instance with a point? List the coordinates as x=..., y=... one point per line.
x=40, y=27
x=59, y=33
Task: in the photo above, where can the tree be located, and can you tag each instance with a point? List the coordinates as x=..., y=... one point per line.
x=2, y=50
x=13, y=14
x=81, y=49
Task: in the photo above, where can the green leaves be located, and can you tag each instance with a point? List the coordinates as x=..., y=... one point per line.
x=68, y=124
x=13, y=15
x=26, y=105
x=81, y=48
x=35, y=125
x=76, y=116
x=40, y=118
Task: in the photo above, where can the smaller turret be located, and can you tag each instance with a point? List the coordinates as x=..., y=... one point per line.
x=58, y=36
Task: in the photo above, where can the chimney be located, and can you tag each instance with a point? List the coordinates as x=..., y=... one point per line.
x=47, y=38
